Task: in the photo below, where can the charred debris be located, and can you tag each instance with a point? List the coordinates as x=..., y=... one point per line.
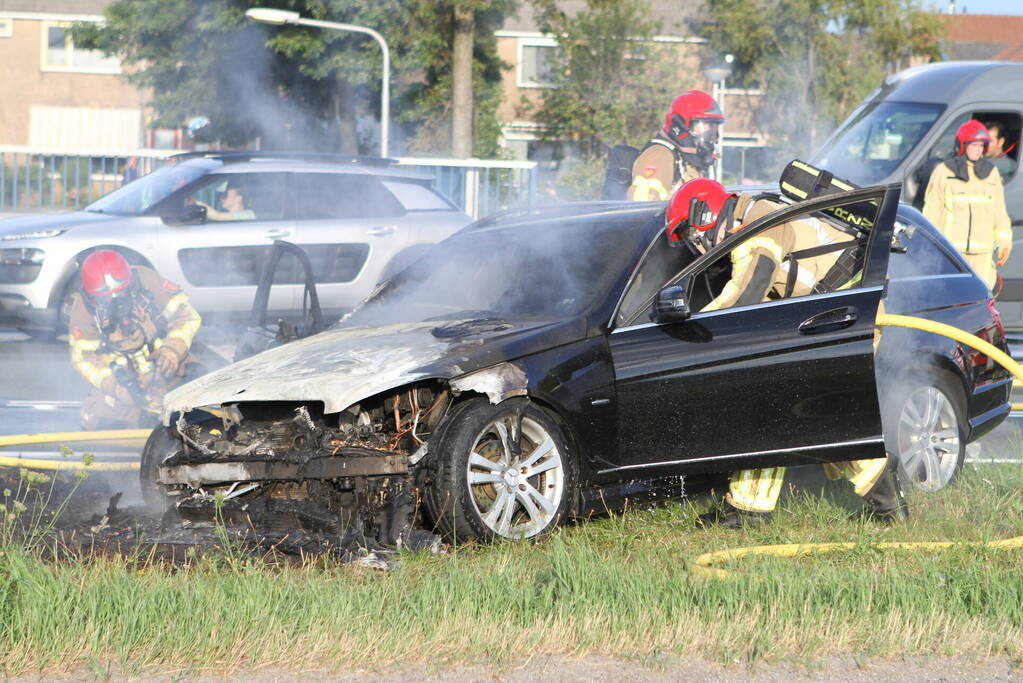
x=280, y=466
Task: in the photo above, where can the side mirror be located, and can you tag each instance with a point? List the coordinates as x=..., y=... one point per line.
x=671, y=304
x=191, y=214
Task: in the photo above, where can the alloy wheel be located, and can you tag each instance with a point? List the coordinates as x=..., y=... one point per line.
x=928, y=439
x=516, y=477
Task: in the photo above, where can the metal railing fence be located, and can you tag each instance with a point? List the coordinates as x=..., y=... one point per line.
x=34, y=179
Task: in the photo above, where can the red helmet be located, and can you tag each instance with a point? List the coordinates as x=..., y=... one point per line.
x=687, y=109
x=694, y=209
x=971, y=131
x=105, y=274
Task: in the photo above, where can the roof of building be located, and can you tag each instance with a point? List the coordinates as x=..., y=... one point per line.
x=83, y=7
x=984, y=28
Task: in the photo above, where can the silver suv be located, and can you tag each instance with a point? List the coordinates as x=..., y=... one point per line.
x=206, y=221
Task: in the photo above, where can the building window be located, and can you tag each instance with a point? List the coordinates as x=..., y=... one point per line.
x=536, y=62
x=6, y=27
x=60, y=53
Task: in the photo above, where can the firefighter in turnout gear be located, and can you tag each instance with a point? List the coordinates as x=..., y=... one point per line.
x=682, y=151
x=965, y=199
x=130, y=334
x=796, y=258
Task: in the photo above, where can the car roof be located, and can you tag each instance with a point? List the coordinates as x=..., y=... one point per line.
x=268, y=162
x=948, y=81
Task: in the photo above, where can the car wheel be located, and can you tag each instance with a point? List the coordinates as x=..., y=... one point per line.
x=500, y=471
x=927, y=437
x=159, y=445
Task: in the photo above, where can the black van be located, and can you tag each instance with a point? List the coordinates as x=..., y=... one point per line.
x=899, y=131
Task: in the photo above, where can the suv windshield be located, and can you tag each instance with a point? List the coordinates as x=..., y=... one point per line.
x=876, y=141
x=136, y=198
x=555, y=268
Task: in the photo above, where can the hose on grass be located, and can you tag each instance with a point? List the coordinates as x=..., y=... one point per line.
x=703, y=565
x=71, y=437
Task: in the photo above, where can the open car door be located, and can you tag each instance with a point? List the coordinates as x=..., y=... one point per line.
x=787, y=378
x=286, y=264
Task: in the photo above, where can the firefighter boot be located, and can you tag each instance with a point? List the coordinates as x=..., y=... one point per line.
x=885, y=501
x=732, y=518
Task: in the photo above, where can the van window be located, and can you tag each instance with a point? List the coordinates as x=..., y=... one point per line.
x=874, y=143
x=1005, y=125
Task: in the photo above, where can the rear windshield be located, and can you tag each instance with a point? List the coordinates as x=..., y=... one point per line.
x=874, y=142
x=554, y=268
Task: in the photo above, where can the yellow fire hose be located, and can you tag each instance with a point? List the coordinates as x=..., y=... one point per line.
x=703, y=565
x=71, y=437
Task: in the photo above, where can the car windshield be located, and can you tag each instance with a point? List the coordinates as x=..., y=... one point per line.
x=556, y=268
x=136, y=198
x=875, y=141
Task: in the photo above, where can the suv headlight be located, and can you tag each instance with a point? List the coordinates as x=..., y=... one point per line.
x=21, y=257
x=34, y=235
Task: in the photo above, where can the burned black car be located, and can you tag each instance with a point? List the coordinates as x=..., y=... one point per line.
x=536, y=366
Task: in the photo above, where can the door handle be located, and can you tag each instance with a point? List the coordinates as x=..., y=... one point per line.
x=381, y=231
x=829, y=321
x=277, y=233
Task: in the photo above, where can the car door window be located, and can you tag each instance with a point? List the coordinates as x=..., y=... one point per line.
x=341, y=196
x=812, y=253
x=661, y=263
x=232, y=197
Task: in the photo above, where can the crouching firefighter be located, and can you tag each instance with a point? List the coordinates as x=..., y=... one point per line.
x=130, y=335
x=796, y=258
x=682, y=151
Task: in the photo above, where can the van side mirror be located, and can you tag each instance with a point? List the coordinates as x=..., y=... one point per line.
x=191, y=214
x=672, y=304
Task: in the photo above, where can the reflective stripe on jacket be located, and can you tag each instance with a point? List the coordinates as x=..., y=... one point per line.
x=971, y=214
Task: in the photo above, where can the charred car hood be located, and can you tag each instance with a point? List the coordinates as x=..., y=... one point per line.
x=343, y=366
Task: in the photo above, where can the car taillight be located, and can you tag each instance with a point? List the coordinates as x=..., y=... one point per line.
x=997, y=318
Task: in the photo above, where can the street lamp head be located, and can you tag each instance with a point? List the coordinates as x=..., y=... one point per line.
x=717, y=72
x=266, y=15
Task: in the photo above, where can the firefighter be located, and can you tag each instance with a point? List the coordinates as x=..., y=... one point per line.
x=130, y=334
x=701, y=214
x=966, y=201
x=682, y=151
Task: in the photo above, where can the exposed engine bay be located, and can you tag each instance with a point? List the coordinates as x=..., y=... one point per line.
x=286, y=465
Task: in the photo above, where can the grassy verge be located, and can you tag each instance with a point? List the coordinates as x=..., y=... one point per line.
x=616, y=586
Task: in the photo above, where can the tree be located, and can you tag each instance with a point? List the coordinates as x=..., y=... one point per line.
x=294, y=87
x=815, y=60
x=611, y=83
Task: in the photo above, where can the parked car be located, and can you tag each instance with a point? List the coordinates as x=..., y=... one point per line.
x=208, y=220
x=548, y=363
x=903, y=128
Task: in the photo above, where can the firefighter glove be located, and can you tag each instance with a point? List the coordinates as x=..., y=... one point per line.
x=1004, y=244
x=167, y=361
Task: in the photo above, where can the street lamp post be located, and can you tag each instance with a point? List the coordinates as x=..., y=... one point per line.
x=266, y=15
x=718, y=75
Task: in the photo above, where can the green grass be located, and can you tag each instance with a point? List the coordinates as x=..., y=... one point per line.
x=617, y=586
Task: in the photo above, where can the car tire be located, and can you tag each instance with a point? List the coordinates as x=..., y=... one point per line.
x=486, y=484
x=159, y=445
x=926, y=431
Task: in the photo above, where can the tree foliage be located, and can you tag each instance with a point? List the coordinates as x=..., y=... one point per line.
x=294, y=86
x=611, y=82
x=815, y=60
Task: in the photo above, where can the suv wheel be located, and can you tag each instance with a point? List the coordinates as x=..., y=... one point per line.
x=500, y=471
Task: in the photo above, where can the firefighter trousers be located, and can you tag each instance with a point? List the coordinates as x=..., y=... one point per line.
x=984, y=264
x=104, y=411
x=758, y=490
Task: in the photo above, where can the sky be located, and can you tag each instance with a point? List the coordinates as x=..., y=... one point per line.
x=983, y=6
